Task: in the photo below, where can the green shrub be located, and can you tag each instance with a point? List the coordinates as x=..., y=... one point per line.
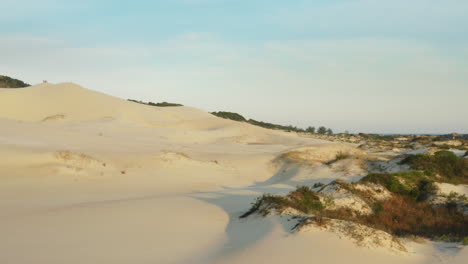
x=446, y=164
x=8, y=82
x=413, y=184
x=302, y=199
x=305, y=200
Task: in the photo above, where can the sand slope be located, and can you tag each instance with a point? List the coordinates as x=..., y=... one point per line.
x=90, y=178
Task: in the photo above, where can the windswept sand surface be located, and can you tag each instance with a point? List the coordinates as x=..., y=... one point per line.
x=90, y=178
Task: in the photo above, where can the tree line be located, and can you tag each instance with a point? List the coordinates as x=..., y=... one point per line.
x=289, y=128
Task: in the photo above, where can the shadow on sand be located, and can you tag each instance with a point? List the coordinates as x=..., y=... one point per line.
x=243, y=233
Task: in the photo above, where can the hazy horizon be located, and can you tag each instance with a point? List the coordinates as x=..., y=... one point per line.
x=363, y=66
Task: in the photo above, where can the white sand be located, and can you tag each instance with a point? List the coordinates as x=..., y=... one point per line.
x=90, y=178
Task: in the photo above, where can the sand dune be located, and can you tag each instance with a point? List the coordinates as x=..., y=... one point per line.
x=90, y=178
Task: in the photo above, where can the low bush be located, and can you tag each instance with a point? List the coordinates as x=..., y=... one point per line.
x=445, y=164
x=413, y=184
x=302, y=199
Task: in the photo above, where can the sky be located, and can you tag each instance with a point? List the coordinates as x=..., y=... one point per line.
x=374, y=66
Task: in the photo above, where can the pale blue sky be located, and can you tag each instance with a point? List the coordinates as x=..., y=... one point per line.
x=362, y=65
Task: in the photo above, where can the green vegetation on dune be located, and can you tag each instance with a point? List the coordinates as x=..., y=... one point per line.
x=303, y=199
x=275, y=126
x=229, y=115
x=412, y=184
x=443, y=166
x=163, y=104
x=8, y=82
x=409, y=210
x=406, y=212
x=289, y=128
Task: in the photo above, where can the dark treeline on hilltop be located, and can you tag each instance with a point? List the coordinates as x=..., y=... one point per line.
x=289, y=128
x=8, y=82
x=163, y=104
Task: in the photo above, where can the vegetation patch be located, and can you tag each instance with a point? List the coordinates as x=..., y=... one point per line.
x=8, y=82
x=229, y=115
x=163, y=104
x=406, y=211
x=303, y=199
x=413, y=184
x=289, y=128
x=443, y=166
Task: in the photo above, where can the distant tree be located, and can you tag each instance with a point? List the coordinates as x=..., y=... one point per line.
x=311, y=130
x=329, y=131
x=346, y=132
x=322, y=130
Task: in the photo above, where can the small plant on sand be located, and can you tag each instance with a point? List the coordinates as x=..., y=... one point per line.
x=303, y=199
